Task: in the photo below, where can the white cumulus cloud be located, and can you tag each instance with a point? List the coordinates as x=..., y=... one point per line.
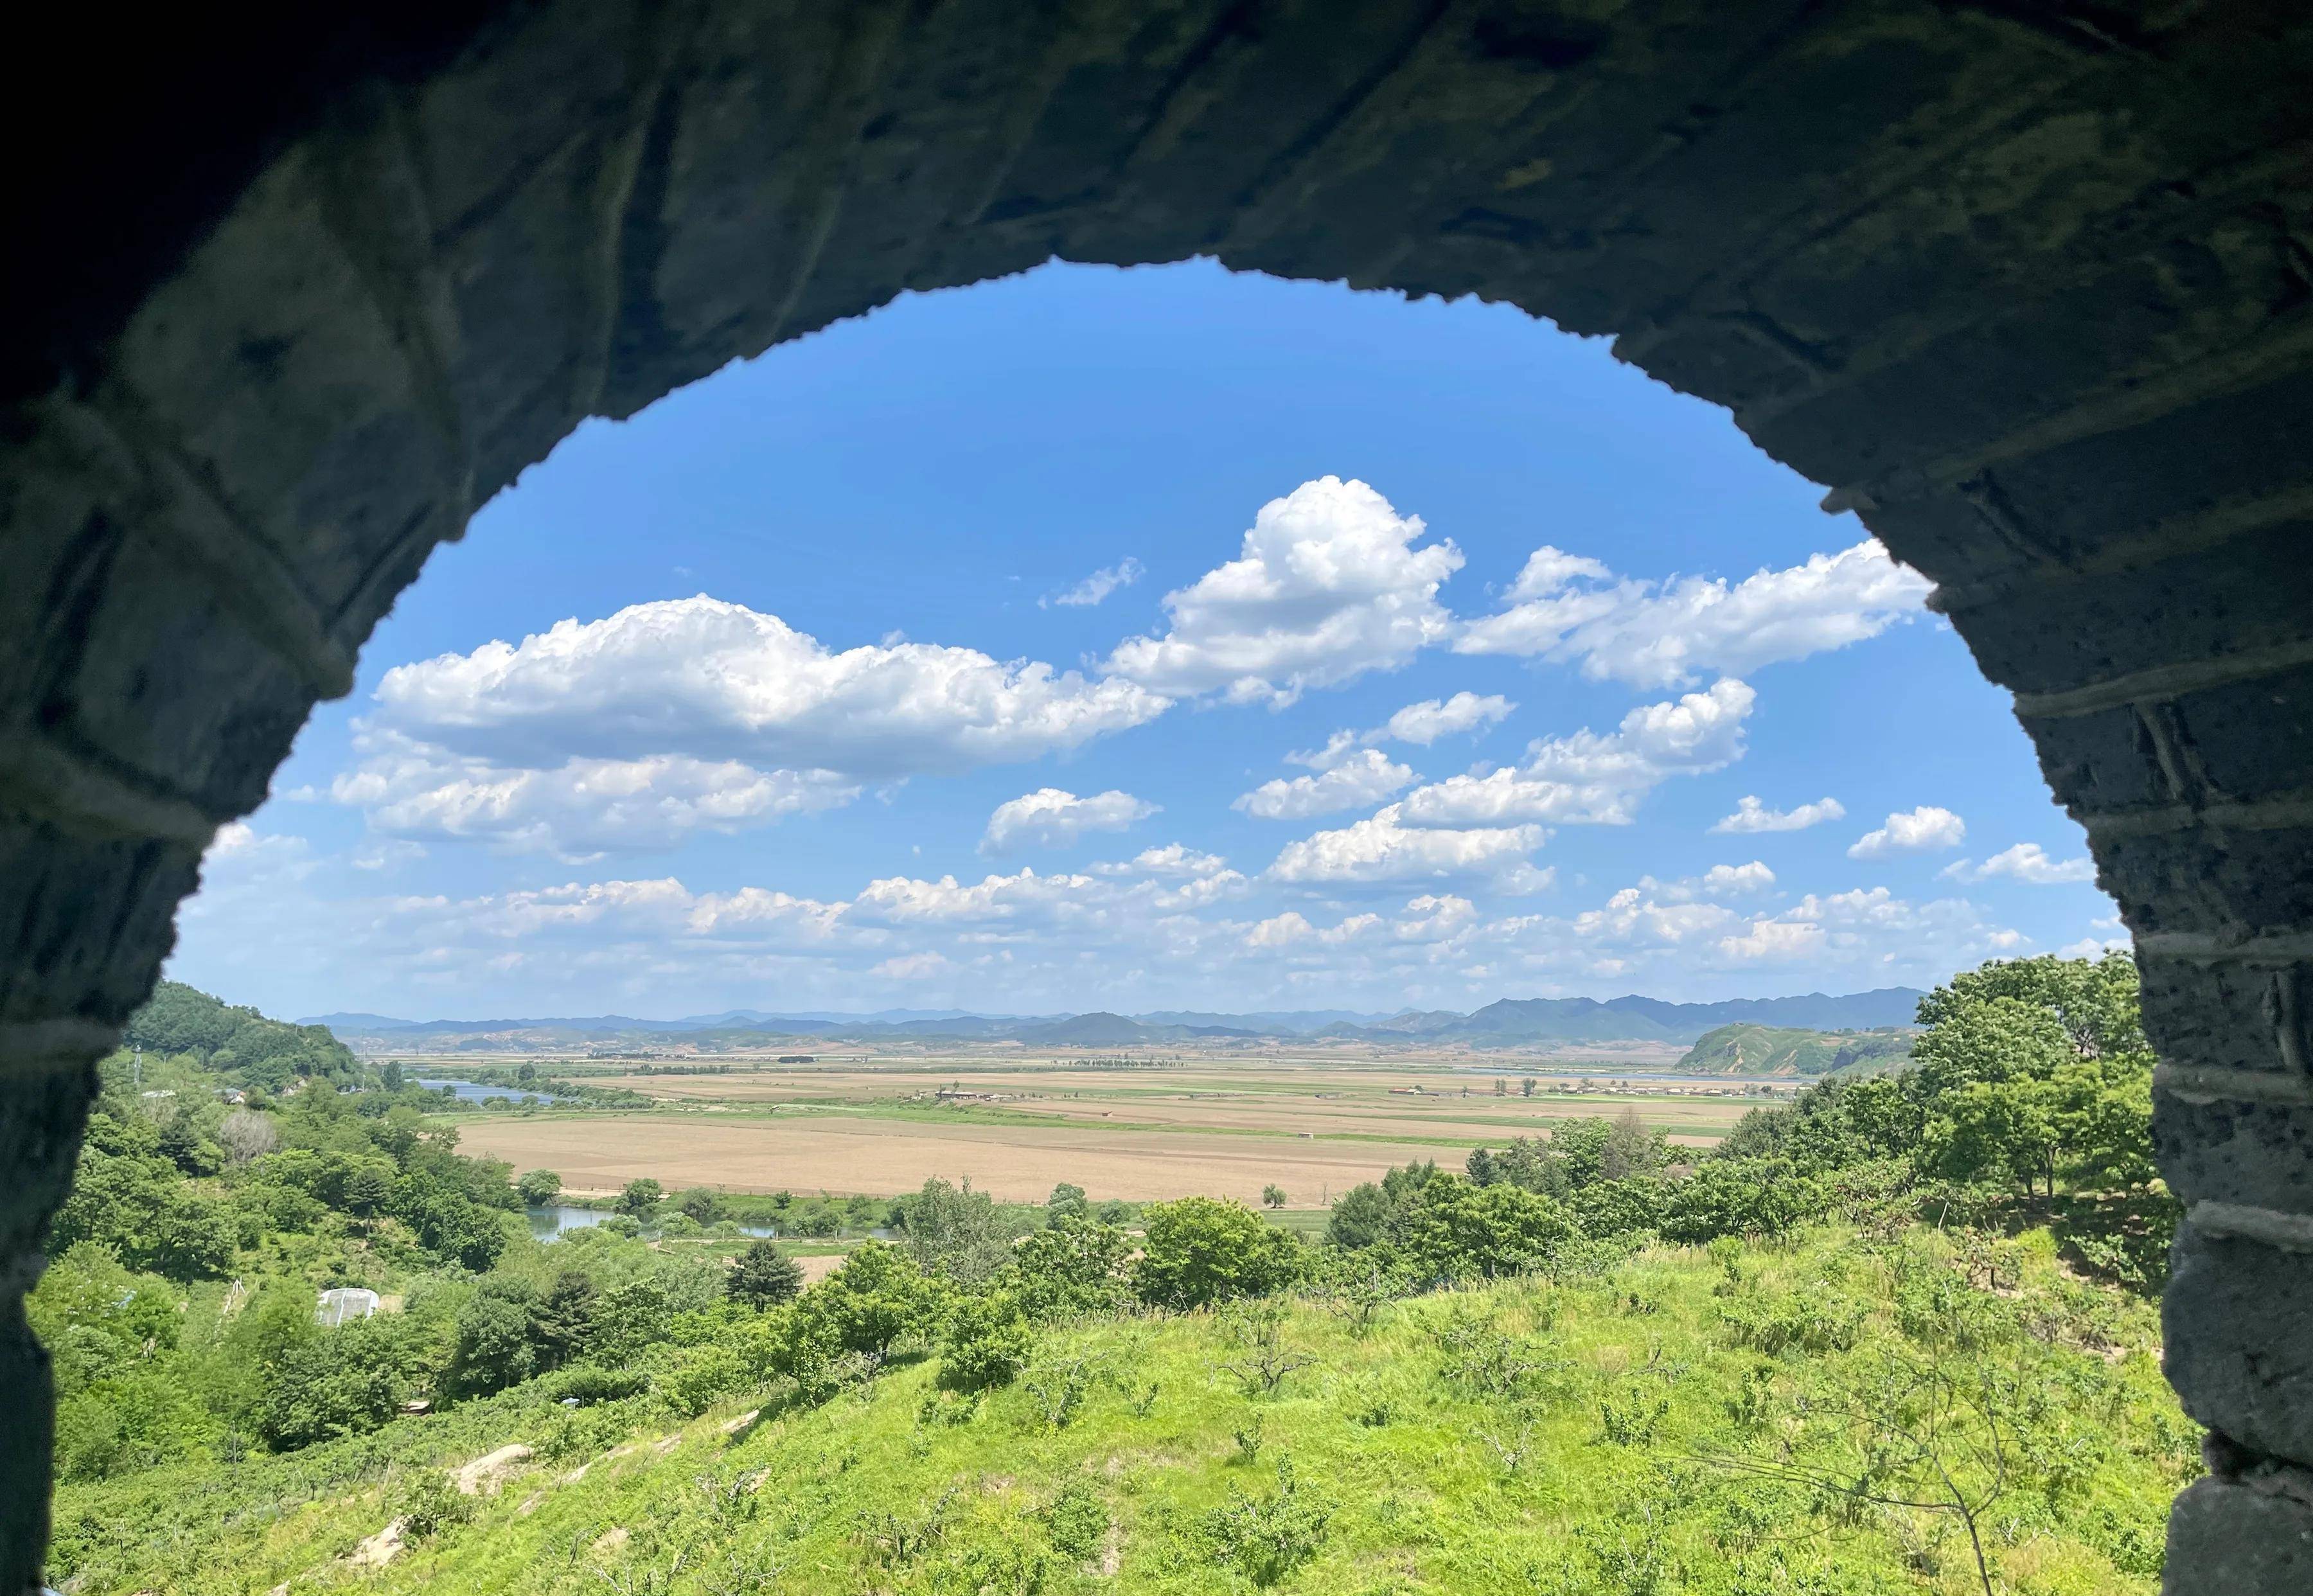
x=1051, y=817
x=1355, y=783
x=1591, y=777
x=1913, y=830
x=687, y=715
x=2028, y=862
x=1752, y=815
x=1329, y=586
x=1097, y=586
x=1380, y=848
x=577, y=809
x=1670, y=633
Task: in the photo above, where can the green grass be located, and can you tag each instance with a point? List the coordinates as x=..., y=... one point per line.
x=1574, y=1436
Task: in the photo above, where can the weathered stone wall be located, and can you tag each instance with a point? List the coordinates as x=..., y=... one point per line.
x=2029, y=283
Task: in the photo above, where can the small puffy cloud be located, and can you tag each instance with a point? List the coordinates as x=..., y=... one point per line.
x=1425, y=722
x=1752, y=815
x=1671, y=633
x=1597, y=779
x=913, y=966
x=1329, y=586
x=1719, y=881
x=1381, y=850
x=1097, y=586
x=1771, y=940
x=1422, y=724
x=1355, y=783
x=1914, y=831
x=2028, y=862
x=1433, y=917
x=1282, y=930
x=1050, y=817
x=1172, y=860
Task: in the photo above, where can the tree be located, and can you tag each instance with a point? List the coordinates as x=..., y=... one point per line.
x=1274, y=1196
x=1202, y=1250
x=700, y=1204
x=1630, y=1149
x=640, y=1198
x=495, y=1347
x=1457, y=1231
x=1066, y=1202
x=339, y=1382
x=368, y=1190
x=986, y=1343
x=764, y=1278
x=1078, y=1267
x=538, y=1188
x=875, y=1298
x=245, y=1135
x=1526, y=1087
x=563, y=1325
x=957, y=1231
x=392, y=1077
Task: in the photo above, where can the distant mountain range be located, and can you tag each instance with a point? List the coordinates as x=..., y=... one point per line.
x=1512, y=1022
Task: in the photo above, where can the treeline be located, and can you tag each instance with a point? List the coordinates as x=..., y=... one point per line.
x=2030, y=1084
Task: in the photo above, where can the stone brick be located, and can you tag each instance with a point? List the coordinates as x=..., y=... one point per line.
x=2238, y=1316
x=2230, y=1539
x=2225, y=1150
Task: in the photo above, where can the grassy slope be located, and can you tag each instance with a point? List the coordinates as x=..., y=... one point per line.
x=1420, y=1498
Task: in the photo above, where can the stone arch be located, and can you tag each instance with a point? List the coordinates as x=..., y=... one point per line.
x=2029, y=283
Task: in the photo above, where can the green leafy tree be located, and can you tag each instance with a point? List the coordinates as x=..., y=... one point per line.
x=957, y=1231
x=1202, y=1250
x=699, y=1205
x=1273, y=1196
x=538, y=1188
x=764, y=1278
x=1078, y=1267
x=640, y=1198
x=876, y=1299
x=1458, y=1231
x=496, y=1339
x=1066, y=1202
x=563, y=1324
x=986, y=1342
x=337, y=1382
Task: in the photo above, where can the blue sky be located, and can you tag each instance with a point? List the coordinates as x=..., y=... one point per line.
x=958, y=657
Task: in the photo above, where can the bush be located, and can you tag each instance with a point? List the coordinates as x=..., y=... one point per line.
x=1078, y=1522
x=986, y=1344
x=1267, y=1538
x=429, y=1503
x=1201, y=1250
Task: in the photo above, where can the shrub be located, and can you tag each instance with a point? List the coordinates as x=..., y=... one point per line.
x=1201, y=1250
x=1078, y=1522
x=429, y=1503
x=986, y=1344
x=1267, y=1538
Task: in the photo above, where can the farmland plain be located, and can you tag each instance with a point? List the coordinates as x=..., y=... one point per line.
x=1017, y=1127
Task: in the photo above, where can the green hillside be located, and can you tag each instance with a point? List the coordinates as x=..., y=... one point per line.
x=1660, y=1425
x=1768, y=1050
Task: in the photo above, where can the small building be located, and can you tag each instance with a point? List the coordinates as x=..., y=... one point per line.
x=343, y=1302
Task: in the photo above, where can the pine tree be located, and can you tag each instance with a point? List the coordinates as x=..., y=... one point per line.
x=764, y=1277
